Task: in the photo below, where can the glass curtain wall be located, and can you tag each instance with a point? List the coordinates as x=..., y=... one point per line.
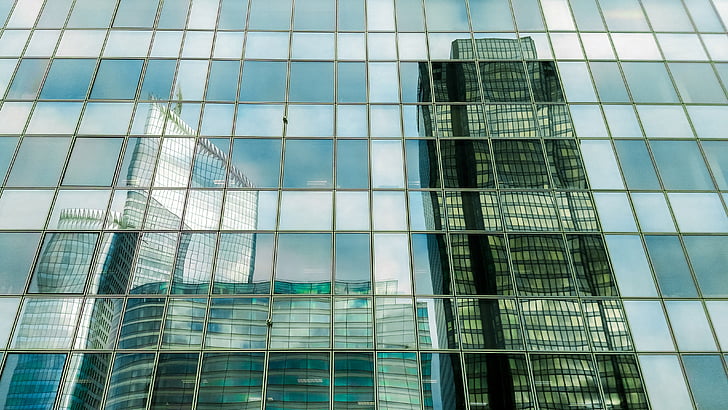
x=363, y=204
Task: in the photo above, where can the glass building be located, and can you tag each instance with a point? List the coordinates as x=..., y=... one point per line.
x=364, y=204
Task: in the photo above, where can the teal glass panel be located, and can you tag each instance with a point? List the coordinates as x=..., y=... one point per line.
x=131, y=377
x=298, y=380
x=238, y=323
x=174, y=381
x=31, y=379
x=68, y=79
x=353, y=381
x=398, y=381
x=231, y=379
x=85, y=379
x=303, y=264
x=353, y=323
x=142, y=323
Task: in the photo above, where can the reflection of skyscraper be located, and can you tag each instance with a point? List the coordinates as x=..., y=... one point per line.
x=529, y=173
x=363, y=204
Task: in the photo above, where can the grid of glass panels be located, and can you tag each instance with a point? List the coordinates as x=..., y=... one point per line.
x=363, y=204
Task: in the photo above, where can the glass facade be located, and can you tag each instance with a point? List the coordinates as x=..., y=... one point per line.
x=364, y=204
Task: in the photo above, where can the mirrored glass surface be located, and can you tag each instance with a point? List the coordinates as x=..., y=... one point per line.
x=489, y=324
x=554, y=324
x=174, y=380
x=300, y=323
x=353, y=380
x=353, y=327
x=130, y=380
x=298, y=379
x=238, y=323
x=303, y=264
x=231, y=379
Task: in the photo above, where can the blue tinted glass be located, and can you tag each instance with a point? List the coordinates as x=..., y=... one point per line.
x=39, y=161
x=649, y=82
x=173, y=14
x=266, y=15
x=263, y=81
x=351, y=82
x=68, y=79
x=681, y=165
x=222, y=84
x=158, y=79
x=27, y=81
x=7, y=149
x=136, y=13
x=308, y=164
x=258, y=160
x=636, y=165
x=670, y=266
x=117, y=79
x=351, y=17
x=352, y=164
x=709, y=259
x=707, y=379
x=311, y=82
x=233, y=14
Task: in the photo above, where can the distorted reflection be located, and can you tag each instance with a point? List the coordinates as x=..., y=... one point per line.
x=442, y=381
x=130, y=380
x=497, y=381
x=436, y=324
x=84, y=381
x=553, y=324
x=541, y=266
x=397, y=379
x=231, y=379
x=395, y=323
x=300, y=323
x=237, y=323
x=480, y=265
x=31, y=378
x=174, y=381
x=466, y=164
x=353, y=323
x=473, y=211
x=354, y=380
x=298, y=380
x=430, y=265
x=566, y=381
x=489, y=324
